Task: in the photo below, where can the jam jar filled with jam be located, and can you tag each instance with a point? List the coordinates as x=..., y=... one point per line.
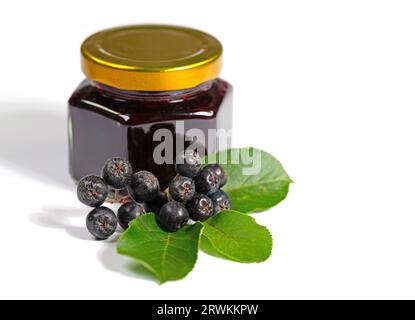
x=143, y=83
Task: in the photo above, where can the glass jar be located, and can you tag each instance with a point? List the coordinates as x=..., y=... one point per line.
x=143, y=82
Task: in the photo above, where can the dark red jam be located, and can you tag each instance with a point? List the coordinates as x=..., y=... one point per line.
x=106, y=122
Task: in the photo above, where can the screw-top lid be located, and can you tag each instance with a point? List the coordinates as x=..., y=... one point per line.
x=151, y=57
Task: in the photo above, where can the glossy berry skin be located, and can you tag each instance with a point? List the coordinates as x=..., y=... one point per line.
x=207, y=181
x=172, y=216
x=129, y=211
x=189, y=164
x=117, y=173
x=101, y=222
x=221, y=201
x=92, y=191
x=220, y=172
x=200, y=207
x=182, y=189
x=156, y=204
x=144, y=186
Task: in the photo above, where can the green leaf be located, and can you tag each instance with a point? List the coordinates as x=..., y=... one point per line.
x=256, y=180
x=236, y=236
x=206, y=246
x=169, y=256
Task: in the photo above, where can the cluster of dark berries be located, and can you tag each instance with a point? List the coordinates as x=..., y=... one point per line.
x=117, y=174
x=193, y=194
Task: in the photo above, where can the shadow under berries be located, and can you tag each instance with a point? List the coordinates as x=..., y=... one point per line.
x=61, y=218
x=66, y=218
x=114, y=262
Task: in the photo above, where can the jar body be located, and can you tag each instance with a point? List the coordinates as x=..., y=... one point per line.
x=105, y=122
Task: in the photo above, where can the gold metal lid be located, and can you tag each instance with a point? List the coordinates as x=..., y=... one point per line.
x=151, y=57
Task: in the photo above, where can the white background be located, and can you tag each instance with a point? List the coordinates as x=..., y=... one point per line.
x=326, y=86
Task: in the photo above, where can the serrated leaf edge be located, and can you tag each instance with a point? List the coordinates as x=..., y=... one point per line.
x=283, y=178
x=258, y=209
x=229, y=256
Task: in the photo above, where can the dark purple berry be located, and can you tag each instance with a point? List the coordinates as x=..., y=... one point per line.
x=129, y=211
x=101, y=223
x=155, y=204
x=172, y=216
x=117, y=173
x=207, y=181
x=220, y=172
x=200, y=207
x=144, y=186
x=221, y=201
x=182, y=188
x=92, y=191
x=189, y=164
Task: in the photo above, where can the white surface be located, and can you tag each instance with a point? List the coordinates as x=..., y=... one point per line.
x=326, y=86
